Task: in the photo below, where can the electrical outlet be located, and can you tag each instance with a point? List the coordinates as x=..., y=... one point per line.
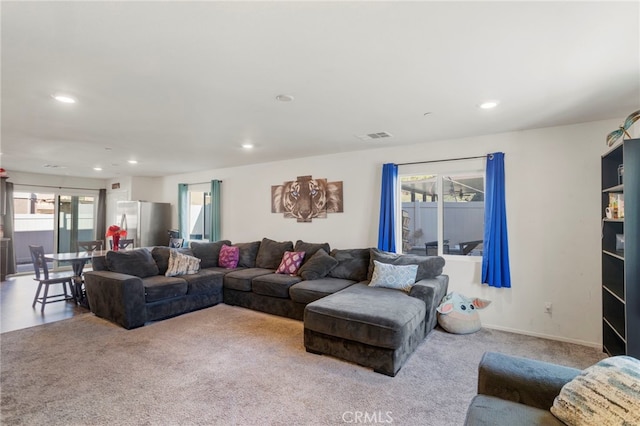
x=547, y=307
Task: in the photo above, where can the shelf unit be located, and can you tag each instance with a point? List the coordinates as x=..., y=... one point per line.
x=621, y=268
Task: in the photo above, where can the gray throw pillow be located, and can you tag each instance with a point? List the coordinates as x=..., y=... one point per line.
x=136, y=262
x=161, y=254
x=310, y=249
x=352, y=264
x=207, y=252
x=428, y=266
x=248, y=254
x=318, y=266
x=270, y=253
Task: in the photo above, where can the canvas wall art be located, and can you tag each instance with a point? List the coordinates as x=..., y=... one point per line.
x=307, y=198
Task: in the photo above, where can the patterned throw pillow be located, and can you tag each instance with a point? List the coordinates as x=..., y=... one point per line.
x=400, y=277
x=607, y=393
x=181, y=264
x=229, y=256
x=291, y=262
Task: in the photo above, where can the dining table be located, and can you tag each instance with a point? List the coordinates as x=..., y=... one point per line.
x=77, y=261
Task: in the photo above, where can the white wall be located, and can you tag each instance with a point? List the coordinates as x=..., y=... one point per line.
x=553, y=208
x=131, y=188
x=37, y=179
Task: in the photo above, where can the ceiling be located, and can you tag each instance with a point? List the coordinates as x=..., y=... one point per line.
x=179, y=86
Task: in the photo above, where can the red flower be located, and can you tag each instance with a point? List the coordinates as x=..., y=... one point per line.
x=115, y=230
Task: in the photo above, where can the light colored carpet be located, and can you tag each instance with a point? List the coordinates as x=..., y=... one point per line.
x=232, y=366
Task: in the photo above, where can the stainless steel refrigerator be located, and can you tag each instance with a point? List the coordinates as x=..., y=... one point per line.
x=146, y=222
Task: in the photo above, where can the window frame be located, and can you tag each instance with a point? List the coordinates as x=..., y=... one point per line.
x=439, y=169
x=205, y=189
x=58, y=192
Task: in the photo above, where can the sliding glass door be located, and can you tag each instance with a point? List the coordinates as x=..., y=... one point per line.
x=55, y=220
x=76, y=221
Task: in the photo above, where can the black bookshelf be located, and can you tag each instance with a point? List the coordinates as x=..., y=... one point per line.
x=621, y=265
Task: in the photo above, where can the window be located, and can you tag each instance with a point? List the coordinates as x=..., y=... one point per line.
x=442, y=208
x=55, y=221
x=199, y=212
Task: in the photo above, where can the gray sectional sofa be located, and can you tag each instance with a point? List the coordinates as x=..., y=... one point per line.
x=330, y=293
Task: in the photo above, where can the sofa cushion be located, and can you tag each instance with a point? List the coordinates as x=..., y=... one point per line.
x=428, y=266
x=248, y=253
x=274, y=285
x=208, y=252
x=161, y=254
x=489, y=410
x=99, y=263
x=352, y=264
x=205, y=281
x=312, y=290
x=607, y=393
x=241, y=280
x=318, y=266
x=229, y=257
x=160, y=287
x=400, y=277
x=270, y=253
x=310, y=249
x=138, y=262
x=291, y=262
x=224, y=270
x=181, y=264
x=378, y=317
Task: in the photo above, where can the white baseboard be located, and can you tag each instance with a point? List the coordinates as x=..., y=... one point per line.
x=596, y=345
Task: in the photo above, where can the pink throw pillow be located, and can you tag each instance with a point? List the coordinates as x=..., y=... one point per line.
x=291, y=262
x=228, y=257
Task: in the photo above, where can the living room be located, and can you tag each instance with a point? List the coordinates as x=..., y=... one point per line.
x=552, y=168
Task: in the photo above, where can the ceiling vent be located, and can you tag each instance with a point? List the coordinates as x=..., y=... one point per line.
x=371, y=136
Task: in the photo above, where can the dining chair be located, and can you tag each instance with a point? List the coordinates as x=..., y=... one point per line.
x=45, y=279
x=122, y=244
x=176, y=242
x=89, y=246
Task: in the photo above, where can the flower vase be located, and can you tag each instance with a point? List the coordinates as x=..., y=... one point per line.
x=116, y=242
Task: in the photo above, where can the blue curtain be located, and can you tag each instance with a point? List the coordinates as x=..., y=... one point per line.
x=214, y=234
x=183, y=210
x=388, y=205
x=495, y=254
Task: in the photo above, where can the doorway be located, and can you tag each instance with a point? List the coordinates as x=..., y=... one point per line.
x=54, y=220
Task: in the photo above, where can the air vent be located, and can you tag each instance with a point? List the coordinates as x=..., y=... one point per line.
x=371, y=136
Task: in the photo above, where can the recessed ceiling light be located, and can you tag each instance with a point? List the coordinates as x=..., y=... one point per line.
x=247, y=145
x=97, y=169
x=488, y=104
x=66, y=99
x=284, y=98
x=133, y=161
